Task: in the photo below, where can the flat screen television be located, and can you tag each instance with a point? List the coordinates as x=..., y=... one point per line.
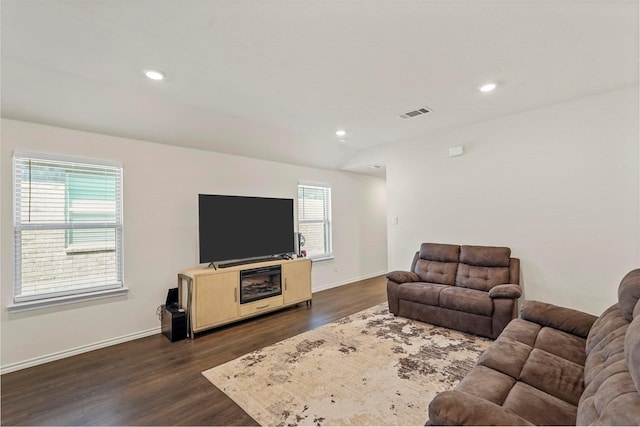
x=238, y=227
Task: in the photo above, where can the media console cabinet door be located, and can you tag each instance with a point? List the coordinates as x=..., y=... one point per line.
x=216, y=299
x=297, y=281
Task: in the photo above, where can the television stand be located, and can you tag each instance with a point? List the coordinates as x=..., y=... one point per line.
x=212, y=297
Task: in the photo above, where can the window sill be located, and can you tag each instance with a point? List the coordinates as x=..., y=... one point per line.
x=321, y=258
x=69, y=299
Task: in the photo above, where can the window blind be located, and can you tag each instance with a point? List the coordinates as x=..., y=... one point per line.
x=68, y=227
x=314, y=219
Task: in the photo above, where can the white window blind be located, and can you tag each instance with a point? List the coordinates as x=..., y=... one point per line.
x=68, y=227
x=314, y=219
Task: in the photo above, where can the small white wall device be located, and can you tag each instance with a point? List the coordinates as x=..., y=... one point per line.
x=456, y=151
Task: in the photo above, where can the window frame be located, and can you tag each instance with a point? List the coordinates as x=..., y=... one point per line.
x=326, y=221
x=80, y=293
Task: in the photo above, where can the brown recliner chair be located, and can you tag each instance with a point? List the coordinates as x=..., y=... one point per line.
x=469, y=288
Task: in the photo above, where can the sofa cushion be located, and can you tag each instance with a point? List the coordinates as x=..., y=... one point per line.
x=436, y=271
x=566, y=319
x=562, y=344
x=480, y=277
x=523, y=331
x=457, y=408
x=506, y=356
x=608, y=322
x=439, y=252
x=467, y=300
x=487, y=383
x=632, y=350
x=538, y=407
x=629, y=293
x=611, y=396
x=485, y=256
x=549, y=371
x=421, y=292
x=624, y=410
x=554, y=375
x=607, y=352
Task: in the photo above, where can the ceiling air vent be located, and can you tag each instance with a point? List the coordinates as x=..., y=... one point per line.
x=415, y=113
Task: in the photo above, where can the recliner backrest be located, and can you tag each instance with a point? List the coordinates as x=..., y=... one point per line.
x=437, y=263
x=612, y=368
x=629, y=293
x=629, y=300
x=483, y=267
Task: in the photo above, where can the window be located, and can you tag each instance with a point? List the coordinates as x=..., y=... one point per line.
x=314, y=219
x=68, y=227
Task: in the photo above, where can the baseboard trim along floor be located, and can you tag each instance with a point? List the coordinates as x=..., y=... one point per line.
x=16, y=366
x=77, y=350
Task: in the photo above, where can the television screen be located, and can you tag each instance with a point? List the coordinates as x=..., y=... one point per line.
x=237, y=227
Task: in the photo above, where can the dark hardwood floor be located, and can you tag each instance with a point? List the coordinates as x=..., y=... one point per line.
x=151, y=381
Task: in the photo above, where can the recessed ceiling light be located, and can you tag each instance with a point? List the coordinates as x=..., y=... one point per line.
x=488, y=87
x=154, y=74
x=341, y=132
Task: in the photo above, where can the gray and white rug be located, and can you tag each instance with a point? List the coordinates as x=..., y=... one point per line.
x=370, y=368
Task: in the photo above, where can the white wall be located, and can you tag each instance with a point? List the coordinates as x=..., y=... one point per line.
x=559, y=185
x=161, y=184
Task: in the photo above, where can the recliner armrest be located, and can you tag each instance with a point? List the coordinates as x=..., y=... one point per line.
x=565, y=319
x=457, y=408
x=505, y=291
x=403, y=276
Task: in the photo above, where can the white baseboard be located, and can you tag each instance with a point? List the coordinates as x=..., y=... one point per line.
x=346, y=282
x=130, y=337
x=77, y=350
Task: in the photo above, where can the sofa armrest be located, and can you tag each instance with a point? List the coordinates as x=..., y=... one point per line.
x=565, y=319
x=459, y=408
x=505, y=291
x=403, y=276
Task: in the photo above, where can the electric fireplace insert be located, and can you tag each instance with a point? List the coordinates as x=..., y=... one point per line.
x=260, y=283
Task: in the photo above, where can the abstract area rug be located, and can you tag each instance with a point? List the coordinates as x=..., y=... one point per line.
x=370, y=368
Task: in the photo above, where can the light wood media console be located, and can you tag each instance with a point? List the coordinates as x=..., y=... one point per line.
x=211, y=297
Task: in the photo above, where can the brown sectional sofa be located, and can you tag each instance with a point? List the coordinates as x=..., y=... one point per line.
x=555, y=366
x=469, y=288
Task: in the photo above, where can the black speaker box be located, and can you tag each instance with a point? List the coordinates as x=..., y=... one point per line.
x=174, y=323
x=172, y=298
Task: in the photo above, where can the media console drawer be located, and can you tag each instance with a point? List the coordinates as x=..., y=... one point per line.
x=261, y=305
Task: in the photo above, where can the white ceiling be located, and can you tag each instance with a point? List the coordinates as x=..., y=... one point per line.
x=274, y=79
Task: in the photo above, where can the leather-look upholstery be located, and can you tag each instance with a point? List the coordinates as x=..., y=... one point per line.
x=470, y=288
x=555, y=366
